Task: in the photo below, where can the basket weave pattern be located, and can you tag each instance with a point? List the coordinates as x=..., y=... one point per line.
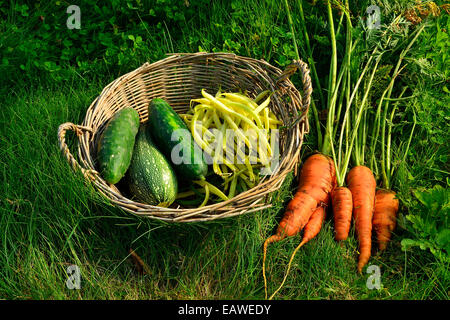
x=178, y=79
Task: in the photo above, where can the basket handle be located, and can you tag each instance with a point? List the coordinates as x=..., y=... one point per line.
x=62, y=129
x=306, y=79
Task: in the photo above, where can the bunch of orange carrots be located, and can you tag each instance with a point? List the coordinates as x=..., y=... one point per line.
x=317, y=189
x=324, y=179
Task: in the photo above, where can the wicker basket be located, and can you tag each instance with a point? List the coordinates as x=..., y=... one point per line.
x=178, y=79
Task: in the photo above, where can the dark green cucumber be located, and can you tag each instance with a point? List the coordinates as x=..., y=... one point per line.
x=116, y=144
x=150, y=176
x=174, y=139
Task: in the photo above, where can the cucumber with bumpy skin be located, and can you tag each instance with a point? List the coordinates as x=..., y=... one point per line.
x=150, y=176
x=116, y=144
x=174, y=139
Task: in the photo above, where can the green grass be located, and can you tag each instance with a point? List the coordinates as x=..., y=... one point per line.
x=51, y=218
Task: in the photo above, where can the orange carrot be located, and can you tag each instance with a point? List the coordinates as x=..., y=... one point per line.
x=314, y=225
x=361, y=182
x=311, y=230
x=298, y=212
x=315, y=183
x=342, y=203
x=384, y=216
x=317, y=178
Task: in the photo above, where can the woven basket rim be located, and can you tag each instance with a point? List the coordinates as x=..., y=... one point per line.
x=252, y=200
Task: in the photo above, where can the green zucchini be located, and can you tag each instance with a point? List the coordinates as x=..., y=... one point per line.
x=151, y=178
x=116, y=144
x=174, y=139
